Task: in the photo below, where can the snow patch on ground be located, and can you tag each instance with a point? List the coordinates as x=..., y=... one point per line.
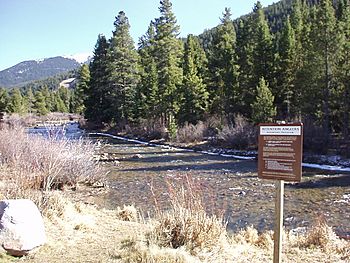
x=327, y=167
x=345, y=199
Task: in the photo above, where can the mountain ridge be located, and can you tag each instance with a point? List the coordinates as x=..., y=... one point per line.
x=33, y=70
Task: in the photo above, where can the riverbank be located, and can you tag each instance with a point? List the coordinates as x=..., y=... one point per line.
x=83, y=233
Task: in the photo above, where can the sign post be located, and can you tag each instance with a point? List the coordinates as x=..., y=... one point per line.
x=279, y=159
x=277, y=244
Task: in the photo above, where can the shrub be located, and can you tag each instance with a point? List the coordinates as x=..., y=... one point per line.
x=320, y=235
x=241, y=135
x=191, y=133
x=34, y=162
x=151, y=129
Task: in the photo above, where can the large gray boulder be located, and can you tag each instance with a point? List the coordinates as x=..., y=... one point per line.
x=21, y=226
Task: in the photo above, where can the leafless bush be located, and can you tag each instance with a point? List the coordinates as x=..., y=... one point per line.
x=241, y=135
x=214, y=124
x=33, y=162
x=191, y=133
x=150, y=129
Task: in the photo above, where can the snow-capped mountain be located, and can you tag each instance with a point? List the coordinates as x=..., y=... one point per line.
x=80, y=57
x=32, y=70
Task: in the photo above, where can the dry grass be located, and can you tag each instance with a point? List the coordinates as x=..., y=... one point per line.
x=83, y=233
x=187, y=224
x=128, y=213
x=31, y=166
x=186, y=233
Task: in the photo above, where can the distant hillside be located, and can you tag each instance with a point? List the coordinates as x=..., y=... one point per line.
x=52, y=82
x=34, y=70
x=275, y=14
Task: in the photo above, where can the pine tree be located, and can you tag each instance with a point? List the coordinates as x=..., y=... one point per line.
x=40, y=104
x=263, y=108
x=255, y=57
x=308, y=94
x=123, y=72
x=147, y=99
x=343, y=69
x=29, y=97
x=263, y=59
x=65, y=95
x=326, y=45
x=58, y=103
x=300, y=30
x=79, y=95
x=4, y=100
x=244, y=50
x=96, y=103
x=223, y=68
x=287, y=68
x=47, y=96
x=195, y=94
x=168, y=54
x=16, y=102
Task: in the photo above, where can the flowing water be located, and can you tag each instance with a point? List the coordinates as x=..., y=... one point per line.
x=226, y=184
x=142, y=173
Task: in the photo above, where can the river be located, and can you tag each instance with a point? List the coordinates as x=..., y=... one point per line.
x=225, y=184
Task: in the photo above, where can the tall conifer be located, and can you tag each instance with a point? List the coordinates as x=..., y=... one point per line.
x=123, y=72
x=326, y=44
x=96, y=103
x=79, y=95
x=223, y=68
x=246, y=79
x=262, y=50
x=287, y=68
x=263, y=109
x=344, y=69
x=147, y=97
x=195, y=94
x=168, y=55
x=17, y=103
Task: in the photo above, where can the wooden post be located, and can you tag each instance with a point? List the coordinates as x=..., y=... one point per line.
x=277, y=250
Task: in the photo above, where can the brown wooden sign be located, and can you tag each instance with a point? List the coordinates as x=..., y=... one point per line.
x=280, y=151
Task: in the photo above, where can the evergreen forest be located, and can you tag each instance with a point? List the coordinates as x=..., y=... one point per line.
x=288, y=62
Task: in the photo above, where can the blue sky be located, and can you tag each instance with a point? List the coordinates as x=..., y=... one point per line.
x=35, y=29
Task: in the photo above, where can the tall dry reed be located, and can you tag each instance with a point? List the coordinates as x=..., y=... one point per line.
x=187, y=224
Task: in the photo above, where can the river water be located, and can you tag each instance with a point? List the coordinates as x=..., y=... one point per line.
x=226, y=185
